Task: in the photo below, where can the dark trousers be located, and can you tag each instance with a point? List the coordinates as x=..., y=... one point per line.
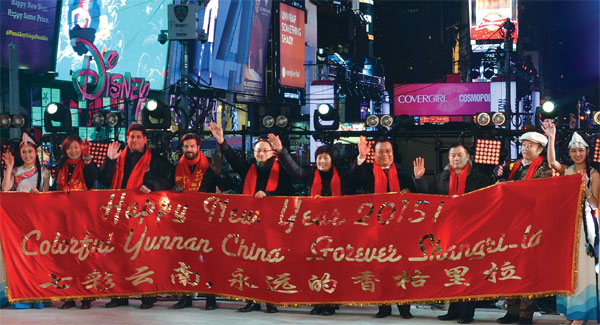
x=403, y=309
x=463, y=310
x=523, y=307
x=145, y=300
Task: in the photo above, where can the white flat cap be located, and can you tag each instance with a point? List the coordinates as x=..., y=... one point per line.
x=535, y=137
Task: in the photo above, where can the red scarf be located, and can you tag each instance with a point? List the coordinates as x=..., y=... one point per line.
x=381, y=182
x=184, y=177
x=77, y=181
x=250, y=181
x=25, y=175
x=458, y=183
x=136, y=179
x=317, y=187
x=535, y=164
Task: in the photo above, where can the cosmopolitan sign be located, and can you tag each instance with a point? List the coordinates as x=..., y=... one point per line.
x=442, y=99
x=91, y=84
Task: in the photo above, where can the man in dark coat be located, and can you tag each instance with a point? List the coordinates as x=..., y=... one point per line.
x=261, y=177
x=458, y=177
x=382, y=176
x=194, y=173
x=136, y=167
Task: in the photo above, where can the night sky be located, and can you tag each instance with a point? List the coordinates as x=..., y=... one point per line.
x=414, y=39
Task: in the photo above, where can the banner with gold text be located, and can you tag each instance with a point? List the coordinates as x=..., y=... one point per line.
x=507, y=240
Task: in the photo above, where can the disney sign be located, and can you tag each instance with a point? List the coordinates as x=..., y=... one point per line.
x=92, y=84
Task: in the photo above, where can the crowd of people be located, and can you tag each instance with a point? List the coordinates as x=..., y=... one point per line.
x=273, y=171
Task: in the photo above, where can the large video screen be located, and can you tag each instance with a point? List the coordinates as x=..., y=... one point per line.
x=128, y=27
x=234, y=54
x=31, y=25
x=240, y=49
x=487, y=17
x=291, y=56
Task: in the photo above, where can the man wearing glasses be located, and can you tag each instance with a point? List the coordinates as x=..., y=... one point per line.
x=261, y=177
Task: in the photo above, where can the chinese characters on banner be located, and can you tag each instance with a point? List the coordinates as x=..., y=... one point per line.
x=364, y=248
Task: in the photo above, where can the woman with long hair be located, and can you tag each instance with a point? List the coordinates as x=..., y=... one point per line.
x=28, y=177
x=583, y=304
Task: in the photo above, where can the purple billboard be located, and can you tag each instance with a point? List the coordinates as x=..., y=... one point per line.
x=442, y=99
x=30, y=24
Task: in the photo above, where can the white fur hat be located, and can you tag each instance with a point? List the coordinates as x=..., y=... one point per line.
x=534, y=137
x=577, y=141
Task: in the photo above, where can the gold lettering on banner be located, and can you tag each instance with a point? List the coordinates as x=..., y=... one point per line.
x=164, y=242
x=252, y=253
x=216, y=202
x=507, y=272
x=432, y=248
x=184, y=275
x=325, y=283
x=533, y=241
x=94, y=281
x=109, y=206
x=390, y=216
x=367, y=281
x=141, y=276
x=81, y=248
x=420, y=212
x=132, y=210
x=281, y=284
x=323, y=246
x=180, y=213
x=456, y=276
x=54, y=282
x=289, y=222
x=417, y=279
x=240, y=280
x=361, y=221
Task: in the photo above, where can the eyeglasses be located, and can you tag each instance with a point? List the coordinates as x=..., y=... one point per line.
x=259, y=151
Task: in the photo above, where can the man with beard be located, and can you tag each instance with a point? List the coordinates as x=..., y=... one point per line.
x=136, y=167
x=193, y=173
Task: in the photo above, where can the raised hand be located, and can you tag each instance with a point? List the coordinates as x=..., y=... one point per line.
x=8, y=159
x=275, y=142
x=419, y=167
x=363, y=148
x=550, y=130
x=85, y=148
x=113, y=150
x=217, y=132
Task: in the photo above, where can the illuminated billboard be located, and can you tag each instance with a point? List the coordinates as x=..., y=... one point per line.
x=240, y=47
x=291, y=56
x=442, y=99
x=487, y=17
x=130, y=29
x=31, y=25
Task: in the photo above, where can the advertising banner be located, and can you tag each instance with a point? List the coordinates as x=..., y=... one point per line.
x=240, y=46
x=379, y=248
x=291, y=56
x=31, y=26
x=442, y=99
x=487, y=17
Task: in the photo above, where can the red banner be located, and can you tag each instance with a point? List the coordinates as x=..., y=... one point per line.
x=507, y=240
